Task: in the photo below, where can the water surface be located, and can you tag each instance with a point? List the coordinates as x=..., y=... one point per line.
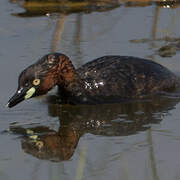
x=41, y=139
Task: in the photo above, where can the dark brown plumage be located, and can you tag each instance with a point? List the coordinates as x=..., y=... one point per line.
x=107, y=79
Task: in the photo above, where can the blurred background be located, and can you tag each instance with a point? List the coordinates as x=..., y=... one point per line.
x=43, y=140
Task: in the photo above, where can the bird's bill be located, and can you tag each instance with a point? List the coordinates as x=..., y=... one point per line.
x=20, y=95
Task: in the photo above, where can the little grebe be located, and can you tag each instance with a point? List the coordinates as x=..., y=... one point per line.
x=106, y=79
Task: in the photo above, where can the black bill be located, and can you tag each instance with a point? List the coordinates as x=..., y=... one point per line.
x=18, y=97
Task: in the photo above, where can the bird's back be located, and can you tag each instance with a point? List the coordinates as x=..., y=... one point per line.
x=125, y=77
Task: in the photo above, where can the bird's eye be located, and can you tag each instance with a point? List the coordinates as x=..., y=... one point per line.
x=36, y=82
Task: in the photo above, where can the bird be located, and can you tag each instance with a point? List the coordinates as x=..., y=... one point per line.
x=107, y=79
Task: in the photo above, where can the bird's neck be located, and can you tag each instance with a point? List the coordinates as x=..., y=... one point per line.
x=67, y=77
x=65, y=72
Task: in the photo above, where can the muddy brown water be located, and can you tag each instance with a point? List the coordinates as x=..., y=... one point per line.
x=41, y=139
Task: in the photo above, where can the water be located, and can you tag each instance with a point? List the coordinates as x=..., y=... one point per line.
x=43, y=140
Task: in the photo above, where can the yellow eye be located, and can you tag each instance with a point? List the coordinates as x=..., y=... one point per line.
x=36, y=82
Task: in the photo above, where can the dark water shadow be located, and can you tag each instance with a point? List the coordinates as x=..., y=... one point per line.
x=34, y=8
x=74, y=121
x=169, y=47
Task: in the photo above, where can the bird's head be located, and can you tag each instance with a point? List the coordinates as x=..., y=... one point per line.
x=41, y=77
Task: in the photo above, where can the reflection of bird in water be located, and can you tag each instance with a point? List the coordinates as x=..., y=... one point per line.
x=52, y=145
x=105, y=120
x=109, y=79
